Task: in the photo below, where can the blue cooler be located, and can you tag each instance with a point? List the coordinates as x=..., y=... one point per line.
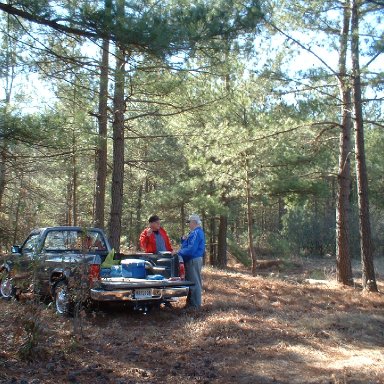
x=105, y=272
x=133, y=268
x=115, y=271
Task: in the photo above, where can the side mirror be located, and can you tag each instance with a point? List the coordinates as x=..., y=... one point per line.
x=16, y=249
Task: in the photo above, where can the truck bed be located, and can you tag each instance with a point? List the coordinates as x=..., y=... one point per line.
x=167, y=287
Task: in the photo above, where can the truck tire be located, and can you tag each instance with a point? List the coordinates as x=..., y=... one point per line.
x=63, y=303
x=7, y=289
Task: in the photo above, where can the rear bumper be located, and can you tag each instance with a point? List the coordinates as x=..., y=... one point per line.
x=135, y=295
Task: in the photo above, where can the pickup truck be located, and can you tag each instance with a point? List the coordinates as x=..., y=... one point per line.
x=66, y=264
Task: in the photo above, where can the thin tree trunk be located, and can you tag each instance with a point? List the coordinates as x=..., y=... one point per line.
x=182, y=214
x=236, y=229
x=315, y=228
x=212, y=242
x=223, y=223
x=9, y=72
x=74, y=181
x=101, y=152
x=3, y=160
x=118, y=144
x=251, y=248
x=68, y=214
x=20, y=197
x=368, y=271
x=222, y=242
x=281, y=211
x=139, y=206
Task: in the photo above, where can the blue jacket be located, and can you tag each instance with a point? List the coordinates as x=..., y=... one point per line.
x=193, y=246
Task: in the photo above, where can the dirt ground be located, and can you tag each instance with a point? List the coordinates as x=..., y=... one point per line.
x=292, y=325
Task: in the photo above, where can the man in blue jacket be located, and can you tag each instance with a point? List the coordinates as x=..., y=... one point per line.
x=192, y=251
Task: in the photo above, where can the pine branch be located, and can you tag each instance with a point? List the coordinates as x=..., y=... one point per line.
x=297, y=42
x=43, y=21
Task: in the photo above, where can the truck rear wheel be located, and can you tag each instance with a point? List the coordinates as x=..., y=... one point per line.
x=63, y=303
x=7, y=289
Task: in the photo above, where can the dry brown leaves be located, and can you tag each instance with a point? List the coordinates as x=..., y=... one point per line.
x=274, y=328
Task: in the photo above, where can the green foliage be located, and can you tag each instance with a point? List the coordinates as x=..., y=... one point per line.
x=309, y=228
x=161, y=28
x=279, y=245
x=238, y=252
x=208, y=106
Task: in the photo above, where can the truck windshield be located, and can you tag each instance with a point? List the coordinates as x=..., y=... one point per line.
x=72, y=240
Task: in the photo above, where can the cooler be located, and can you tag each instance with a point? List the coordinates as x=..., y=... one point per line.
x=115, y=271
x=134, y=268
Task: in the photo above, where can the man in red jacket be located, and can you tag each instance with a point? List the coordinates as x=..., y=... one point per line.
x=154, y=239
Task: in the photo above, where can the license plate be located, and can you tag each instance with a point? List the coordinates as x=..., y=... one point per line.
x=143, y=294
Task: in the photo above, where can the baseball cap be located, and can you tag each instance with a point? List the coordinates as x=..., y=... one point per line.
x=153, y=218
x=194, y=217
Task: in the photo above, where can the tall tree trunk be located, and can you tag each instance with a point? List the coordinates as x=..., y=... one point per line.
x=222, y=242
x=9, y=72
x=212, y=242
x=315, y=228
x=281, y=211
x=118, y=143
x=251, y=248
x=139, y=207
x=3, y=160
x=101, y=151
x=68, y=213
x=236, y=230
x=223, y=220
x=20, y=198
x=74, y=183
x=182, y=214
x=368, y=271
x=343, y=257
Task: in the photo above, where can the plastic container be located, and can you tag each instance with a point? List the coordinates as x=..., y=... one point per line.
x=134, y=268
x=105, y=272
x=115, y=271
x=155, y=277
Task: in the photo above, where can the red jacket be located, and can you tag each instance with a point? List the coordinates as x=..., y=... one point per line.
x=148, y=243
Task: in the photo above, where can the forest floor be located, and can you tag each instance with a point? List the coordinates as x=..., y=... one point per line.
x=293, y=325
